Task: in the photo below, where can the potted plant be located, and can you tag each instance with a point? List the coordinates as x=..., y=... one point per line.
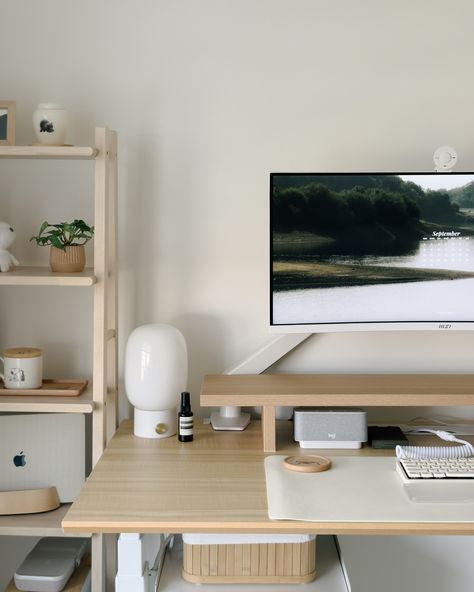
x=67, y=240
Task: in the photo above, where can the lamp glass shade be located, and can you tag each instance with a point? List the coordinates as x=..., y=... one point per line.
x=156, y=372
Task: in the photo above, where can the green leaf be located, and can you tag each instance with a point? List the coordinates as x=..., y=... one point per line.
x=57, y=243
x=64, y=234
x=43, y=227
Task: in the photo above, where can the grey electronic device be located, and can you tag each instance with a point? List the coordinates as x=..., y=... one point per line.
x=386, y=437
x=43, y=450
x=50, y=564
x=326, y=427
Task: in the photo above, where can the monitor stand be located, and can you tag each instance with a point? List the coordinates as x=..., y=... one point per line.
x=230, y=418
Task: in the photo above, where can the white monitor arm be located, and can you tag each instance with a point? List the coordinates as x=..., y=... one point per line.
x=231, y=418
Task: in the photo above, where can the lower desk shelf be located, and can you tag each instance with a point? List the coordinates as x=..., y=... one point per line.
x=36, y=525
x=330, y=575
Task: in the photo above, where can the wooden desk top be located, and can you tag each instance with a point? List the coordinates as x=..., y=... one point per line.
x=214, y=484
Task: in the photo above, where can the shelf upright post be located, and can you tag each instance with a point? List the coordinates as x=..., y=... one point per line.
x=112, y=295
x=105, y=380
x=105, y=318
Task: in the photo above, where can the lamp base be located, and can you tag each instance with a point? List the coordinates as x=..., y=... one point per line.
x=155, y=424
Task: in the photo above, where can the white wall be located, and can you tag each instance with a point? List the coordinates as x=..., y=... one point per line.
x=208, y=97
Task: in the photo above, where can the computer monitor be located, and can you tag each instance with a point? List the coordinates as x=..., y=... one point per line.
x=371, y=251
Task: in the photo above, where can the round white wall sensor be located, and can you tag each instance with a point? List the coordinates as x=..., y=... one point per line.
x=445, y=157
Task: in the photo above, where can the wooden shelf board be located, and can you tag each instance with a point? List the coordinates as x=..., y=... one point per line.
x=42, y=524
x=338, y=390
x=82, y=403
x=51, y=152
x=43, y=276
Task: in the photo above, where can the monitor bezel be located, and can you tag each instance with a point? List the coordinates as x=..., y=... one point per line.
x=343, y=326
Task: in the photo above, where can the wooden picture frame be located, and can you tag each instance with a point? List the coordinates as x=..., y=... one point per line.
x=7, y=122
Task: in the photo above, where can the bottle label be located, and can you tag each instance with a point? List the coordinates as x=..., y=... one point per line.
x=186, y=425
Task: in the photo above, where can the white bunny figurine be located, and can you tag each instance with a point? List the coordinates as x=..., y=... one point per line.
x=7, y=238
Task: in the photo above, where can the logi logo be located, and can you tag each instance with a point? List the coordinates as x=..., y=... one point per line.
x=332, y=436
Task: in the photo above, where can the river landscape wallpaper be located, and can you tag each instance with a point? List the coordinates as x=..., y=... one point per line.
x=372, y=247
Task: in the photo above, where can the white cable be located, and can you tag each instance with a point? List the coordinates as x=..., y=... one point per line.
x=465, y=450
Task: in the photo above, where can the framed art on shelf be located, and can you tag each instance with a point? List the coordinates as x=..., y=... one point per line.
x=7, y=122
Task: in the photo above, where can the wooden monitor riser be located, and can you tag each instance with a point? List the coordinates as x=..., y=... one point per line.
x=29, y=501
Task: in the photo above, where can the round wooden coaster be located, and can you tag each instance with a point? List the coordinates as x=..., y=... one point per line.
x=309, y=463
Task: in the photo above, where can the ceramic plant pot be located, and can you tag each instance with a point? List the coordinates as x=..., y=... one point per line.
x=71, y=260
x=50, y=124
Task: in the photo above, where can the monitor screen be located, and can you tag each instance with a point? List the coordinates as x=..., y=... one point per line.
x=364, y=251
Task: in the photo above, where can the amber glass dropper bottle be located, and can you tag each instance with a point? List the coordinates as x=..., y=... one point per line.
x=185, y=419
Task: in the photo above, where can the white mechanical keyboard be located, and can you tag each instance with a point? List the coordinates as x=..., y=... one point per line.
x=437, y=473
x=442, y=469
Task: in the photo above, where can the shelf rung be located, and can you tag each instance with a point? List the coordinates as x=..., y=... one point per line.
x=82, y=403
x=49, y=152
x=42, y=524
x=43, y=276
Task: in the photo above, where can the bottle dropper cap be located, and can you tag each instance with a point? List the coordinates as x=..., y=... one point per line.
x=185, y=402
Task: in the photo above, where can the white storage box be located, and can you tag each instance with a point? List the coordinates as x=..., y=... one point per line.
x=50, y=564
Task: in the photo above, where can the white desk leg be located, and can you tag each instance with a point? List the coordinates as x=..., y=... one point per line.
x=134, y=551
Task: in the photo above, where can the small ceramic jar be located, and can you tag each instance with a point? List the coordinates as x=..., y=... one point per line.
x=50, y=124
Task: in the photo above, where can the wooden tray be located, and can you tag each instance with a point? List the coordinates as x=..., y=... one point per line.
x=53, y=388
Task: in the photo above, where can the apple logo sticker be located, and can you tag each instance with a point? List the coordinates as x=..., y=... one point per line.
x=19, y=460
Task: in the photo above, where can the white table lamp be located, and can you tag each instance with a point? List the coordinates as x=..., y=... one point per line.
x=156, y=372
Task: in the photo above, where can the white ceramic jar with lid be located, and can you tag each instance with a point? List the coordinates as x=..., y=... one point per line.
x=50, y=124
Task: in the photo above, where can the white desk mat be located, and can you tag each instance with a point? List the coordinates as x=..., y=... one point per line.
x=355, y=489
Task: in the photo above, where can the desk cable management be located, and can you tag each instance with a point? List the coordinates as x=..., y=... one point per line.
x=415, y=452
